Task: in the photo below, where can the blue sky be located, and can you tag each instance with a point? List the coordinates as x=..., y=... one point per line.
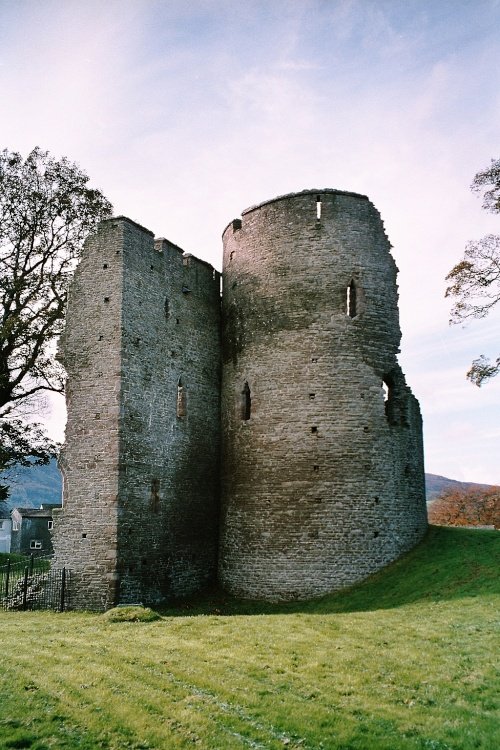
x=185, y=113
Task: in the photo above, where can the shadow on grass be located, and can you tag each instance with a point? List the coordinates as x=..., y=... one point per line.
x=450, y=563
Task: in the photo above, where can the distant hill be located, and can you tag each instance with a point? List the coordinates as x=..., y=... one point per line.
x=435, y=485
x=43, y=484
x=31, y=486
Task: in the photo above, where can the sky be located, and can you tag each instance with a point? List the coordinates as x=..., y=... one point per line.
x=186, y=113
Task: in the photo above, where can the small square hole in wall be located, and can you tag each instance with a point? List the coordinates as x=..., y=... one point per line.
x=314, y=430
x=84, y=536
x=104, y=265
x=314, y=359
x=316, y=467
x=375, y=534
x=312, y=396
x=177, y=321
x=106, y=299
x=101, y=337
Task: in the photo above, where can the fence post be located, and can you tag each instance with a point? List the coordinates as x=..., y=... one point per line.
x=32, y=560
x=63, y=589
x=25, y=587
x=7, y=576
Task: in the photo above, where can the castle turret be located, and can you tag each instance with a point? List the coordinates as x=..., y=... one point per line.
x=322, y=464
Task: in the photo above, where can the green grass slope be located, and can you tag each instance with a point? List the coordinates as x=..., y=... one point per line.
x=405, y=661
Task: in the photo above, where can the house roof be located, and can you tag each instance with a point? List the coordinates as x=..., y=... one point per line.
x=33, y=512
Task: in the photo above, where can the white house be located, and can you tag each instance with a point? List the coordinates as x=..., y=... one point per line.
x=5, y=532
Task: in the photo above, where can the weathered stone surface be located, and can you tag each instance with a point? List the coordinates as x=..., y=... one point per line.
x=140, y=506
x=324, y=483
x=322, y=480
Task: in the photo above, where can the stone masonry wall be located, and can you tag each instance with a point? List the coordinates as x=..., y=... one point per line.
x=169, y=449
x=139, y=521
x=322, y=479
x=85, y=530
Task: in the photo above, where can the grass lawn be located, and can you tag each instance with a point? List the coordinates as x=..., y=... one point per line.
x=407, y=660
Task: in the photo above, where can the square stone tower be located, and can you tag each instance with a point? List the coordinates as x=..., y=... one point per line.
x=141, y=460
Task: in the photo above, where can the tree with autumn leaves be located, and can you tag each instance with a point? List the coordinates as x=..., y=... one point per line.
x=467, y=507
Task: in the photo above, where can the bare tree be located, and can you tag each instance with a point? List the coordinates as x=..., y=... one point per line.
x=475, y=280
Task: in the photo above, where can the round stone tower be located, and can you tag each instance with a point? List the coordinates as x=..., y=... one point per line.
x=322, y=466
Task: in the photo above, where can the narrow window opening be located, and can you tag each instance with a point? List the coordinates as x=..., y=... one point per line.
x=318, y=207
x=177, y=320
x=101, y=337
x=316, y=467
x=385, y=389
x=246, y=402
x=166, y=308
x=181, y=399
x=35, y=544
x=155, y=495
x=351, y=300
x=104, y=265
x=231, y=255
x=392, y=403
x=50, y=525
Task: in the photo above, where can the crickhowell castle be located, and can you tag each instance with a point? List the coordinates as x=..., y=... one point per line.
x=264, y=438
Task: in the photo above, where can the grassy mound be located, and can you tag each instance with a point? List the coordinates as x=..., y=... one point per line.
x=133, y=613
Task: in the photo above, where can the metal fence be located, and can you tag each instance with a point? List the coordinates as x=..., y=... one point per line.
x=33, y=584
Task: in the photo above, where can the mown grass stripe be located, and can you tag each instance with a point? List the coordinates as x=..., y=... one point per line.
x=415, y=673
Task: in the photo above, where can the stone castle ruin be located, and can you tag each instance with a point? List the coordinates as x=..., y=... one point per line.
x=268, y=440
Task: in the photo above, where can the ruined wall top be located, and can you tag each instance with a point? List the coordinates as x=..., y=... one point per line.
x=300, y=194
